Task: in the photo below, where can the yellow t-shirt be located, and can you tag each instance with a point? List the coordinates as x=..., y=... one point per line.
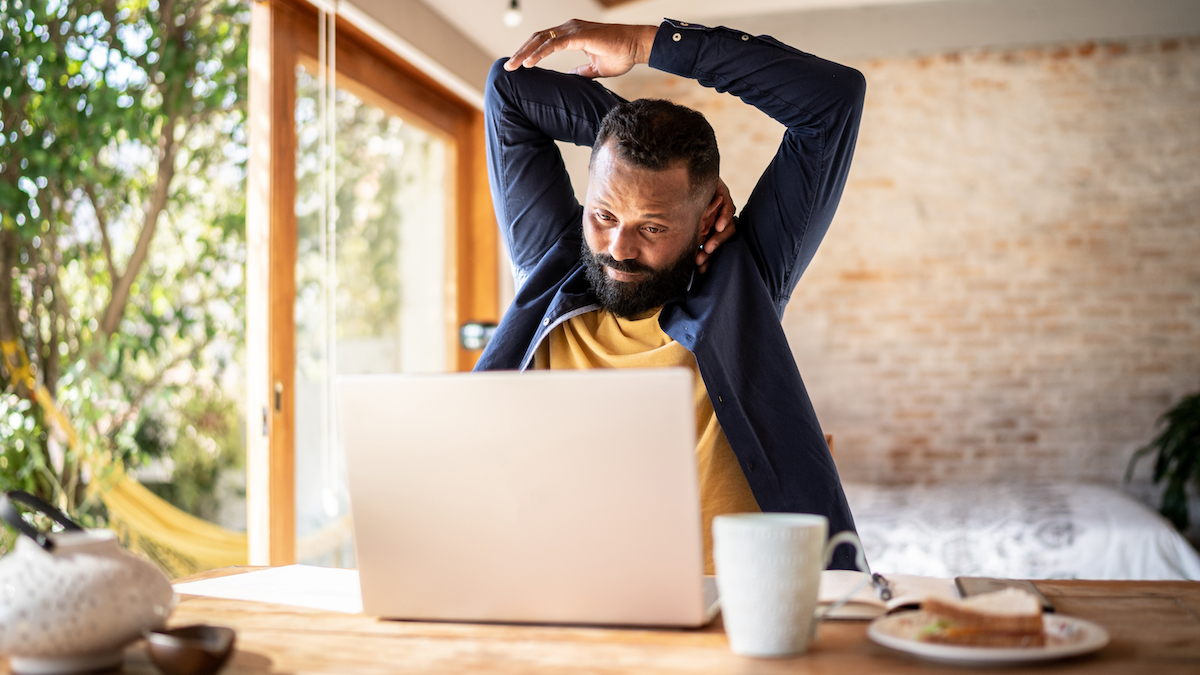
x=601, y=339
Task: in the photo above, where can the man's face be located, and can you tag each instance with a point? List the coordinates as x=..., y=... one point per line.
x=641, y=233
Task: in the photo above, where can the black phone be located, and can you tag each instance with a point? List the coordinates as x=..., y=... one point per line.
x=968, y=586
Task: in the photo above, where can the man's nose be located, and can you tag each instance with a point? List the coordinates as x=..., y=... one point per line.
x=623, y=245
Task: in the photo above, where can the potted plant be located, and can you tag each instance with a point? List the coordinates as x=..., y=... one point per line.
x=1178, y=458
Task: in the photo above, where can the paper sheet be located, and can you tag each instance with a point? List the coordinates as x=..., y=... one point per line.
x=334, y=590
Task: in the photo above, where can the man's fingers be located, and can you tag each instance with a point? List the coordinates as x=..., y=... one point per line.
x=550, y=44
x=524, y=51
x=722, y=236
x=725, y=217
x=724, y=230
x=528, y=55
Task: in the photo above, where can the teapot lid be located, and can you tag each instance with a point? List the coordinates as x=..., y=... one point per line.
x=84, y=541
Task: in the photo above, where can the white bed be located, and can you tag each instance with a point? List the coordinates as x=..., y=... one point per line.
x=1048, y=531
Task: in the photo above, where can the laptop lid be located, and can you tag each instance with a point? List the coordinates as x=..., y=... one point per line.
x=556, y=497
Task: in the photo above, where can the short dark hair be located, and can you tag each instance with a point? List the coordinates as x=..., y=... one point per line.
x=655, y=134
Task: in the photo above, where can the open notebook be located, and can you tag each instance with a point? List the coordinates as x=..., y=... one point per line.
x=907, y=592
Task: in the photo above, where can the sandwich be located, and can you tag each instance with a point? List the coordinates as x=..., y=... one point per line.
x=1007, y=618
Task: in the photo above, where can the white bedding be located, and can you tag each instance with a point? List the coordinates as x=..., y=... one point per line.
x=1049, y=531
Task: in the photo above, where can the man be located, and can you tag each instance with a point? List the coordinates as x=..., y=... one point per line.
x=613, y=283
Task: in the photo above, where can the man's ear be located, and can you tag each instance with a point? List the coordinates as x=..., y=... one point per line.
x=709, y=218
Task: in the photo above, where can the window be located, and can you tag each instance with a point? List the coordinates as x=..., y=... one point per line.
x=412, y=256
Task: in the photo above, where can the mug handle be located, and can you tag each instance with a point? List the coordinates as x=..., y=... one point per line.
x=12, y=516
x=860, y=561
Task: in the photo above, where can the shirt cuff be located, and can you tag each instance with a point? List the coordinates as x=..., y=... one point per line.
x=676, y=46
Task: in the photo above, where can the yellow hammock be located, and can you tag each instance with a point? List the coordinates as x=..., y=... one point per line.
x=191, y=544
x=149, y=524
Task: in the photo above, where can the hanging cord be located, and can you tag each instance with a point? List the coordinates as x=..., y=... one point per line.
x=327, y=241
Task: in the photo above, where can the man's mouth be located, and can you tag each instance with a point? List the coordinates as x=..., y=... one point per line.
x=617, y=275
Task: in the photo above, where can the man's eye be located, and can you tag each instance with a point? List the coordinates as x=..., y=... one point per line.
x=600, y=215
x=653, y=230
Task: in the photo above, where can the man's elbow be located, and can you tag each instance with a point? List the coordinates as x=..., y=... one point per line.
x=497, y=82
x=854, y=86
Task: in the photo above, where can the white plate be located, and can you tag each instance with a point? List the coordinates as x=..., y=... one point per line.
x=1065, y=636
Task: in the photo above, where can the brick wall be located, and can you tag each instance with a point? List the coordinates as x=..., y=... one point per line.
x=1011, y=288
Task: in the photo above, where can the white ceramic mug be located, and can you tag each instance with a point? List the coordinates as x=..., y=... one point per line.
x=768, y=574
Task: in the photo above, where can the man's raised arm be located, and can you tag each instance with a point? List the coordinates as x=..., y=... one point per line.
x=526, y=111
x=820, y=103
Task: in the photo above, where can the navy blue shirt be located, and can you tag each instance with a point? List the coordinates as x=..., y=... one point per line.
x=730, y=317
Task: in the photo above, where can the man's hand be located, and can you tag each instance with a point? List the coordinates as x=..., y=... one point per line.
x=723, y=228
x=612, y=49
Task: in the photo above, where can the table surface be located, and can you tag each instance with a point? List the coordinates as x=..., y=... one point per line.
x=1154, y=628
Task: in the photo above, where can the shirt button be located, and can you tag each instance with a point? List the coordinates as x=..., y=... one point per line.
x=745, y=38
x=720, y=400
x=545, y=322
x=749, y=466
x=685, y=25
x=677, y=37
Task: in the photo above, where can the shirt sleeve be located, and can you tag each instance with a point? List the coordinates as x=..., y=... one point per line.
x=526, y=111
x=820, y=103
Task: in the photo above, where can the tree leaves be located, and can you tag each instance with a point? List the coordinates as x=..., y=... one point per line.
x=100, y=103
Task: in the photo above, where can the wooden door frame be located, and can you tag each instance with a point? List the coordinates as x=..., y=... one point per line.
x=284, y=32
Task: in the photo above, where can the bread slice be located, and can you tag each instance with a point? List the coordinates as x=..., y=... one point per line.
x=1010, y=610
x=977, y=638
x=1007, y=618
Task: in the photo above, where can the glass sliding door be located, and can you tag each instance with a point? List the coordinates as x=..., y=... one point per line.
x=370, y=289
x=365, y=264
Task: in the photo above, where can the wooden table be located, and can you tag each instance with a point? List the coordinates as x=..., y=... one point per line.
x=1154, y=628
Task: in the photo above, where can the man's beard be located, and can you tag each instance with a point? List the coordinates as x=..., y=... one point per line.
x=628, y=299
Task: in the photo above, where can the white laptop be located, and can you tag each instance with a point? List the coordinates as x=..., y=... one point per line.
x=545, y=497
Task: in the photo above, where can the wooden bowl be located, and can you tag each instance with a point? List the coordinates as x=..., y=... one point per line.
x=190, y=650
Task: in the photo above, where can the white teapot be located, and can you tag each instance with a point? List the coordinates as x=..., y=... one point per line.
x=71, y=601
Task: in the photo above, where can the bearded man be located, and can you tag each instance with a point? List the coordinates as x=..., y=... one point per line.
x=630, y=280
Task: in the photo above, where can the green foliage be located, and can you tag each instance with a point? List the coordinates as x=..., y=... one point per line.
x=89, y=87
x=21, y=455
x=122, y=166
x=202, y=440
x=1178, y=458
